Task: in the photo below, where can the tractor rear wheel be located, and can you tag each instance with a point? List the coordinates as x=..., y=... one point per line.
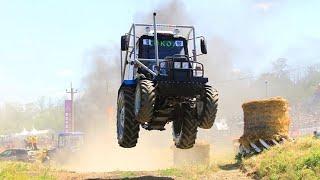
x=209, y=108
x=144, y=101
x=127, y=128
x=185, y=127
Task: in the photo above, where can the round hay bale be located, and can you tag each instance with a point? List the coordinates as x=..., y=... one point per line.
x=199, y=154
x=265, y=119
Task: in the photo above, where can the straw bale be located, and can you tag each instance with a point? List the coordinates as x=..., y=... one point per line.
x=265, y=119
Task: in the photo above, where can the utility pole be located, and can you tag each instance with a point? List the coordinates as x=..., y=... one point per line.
x=72, y=92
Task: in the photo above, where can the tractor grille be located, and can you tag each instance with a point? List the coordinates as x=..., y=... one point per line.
x=180, y=69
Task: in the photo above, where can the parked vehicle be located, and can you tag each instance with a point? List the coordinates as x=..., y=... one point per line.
x=15, y=155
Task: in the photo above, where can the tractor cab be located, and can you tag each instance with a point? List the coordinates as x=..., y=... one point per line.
x=70, y=140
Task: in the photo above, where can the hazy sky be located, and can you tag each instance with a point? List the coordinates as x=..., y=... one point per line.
x=43, y=42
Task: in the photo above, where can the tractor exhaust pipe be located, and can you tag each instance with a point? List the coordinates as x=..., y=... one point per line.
x=155, y=40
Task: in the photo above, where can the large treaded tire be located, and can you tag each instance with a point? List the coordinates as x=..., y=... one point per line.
x=144, y=101
x=127, y=128
x=185, y=127
x=210, y=108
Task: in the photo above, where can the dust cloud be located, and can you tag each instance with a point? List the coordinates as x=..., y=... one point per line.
x=96, y=116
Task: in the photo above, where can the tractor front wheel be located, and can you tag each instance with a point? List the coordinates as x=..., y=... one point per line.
x=144, y=101
x=127, y=128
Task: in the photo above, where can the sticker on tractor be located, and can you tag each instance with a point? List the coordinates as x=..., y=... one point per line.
x=164, y=43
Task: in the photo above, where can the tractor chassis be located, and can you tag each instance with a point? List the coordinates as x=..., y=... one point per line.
x=173, y=94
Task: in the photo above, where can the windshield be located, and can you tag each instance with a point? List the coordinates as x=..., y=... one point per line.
x=5, y=153
x=166, y=47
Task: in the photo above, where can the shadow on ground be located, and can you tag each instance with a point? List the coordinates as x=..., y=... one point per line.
x=229, y=167
x=138, y=178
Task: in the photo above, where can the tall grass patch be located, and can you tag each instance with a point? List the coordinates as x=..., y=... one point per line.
x=24, y=171
x=298, y=159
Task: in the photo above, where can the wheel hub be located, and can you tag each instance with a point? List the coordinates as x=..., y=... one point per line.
x=121, y=122
x=137, y=100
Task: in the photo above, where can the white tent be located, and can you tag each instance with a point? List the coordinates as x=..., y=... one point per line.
x=33, y=132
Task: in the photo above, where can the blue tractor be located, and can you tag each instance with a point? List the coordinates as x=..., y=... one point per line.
x=163, y=82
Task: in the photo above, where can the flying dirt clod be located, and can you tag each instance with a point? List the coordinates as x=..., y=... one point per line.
x=163, y=82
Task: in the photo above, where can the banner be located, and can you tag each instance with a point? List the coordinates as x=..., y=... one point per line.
x=67, y=116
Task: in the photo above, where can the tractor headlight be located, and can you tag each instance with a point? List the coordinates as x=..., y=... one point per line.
x=162, y=65
x=185, y=65
x=177, y=65
x=198, y=71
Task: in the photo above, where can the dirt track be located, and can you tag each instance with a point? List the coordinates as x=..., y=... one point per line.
x=226, y=171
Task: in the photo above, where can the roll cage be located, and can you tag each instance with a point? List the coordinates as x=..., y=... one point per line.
x=132, y=37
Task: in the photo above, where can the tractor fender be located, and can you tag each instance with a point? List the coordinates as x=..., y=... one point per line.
x=128, y=83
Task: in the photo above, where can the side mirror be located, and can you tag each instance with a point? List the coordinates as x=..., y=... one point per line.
x=203, y=46
x=124, y=43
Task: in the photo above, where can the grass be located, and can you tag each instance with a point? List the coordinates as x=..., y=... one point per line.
x=36, y=171
x=185, y=172
x=171, y=172
x=299, y=159
x=189, y=172
x=24, y=171
x=127, y=174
